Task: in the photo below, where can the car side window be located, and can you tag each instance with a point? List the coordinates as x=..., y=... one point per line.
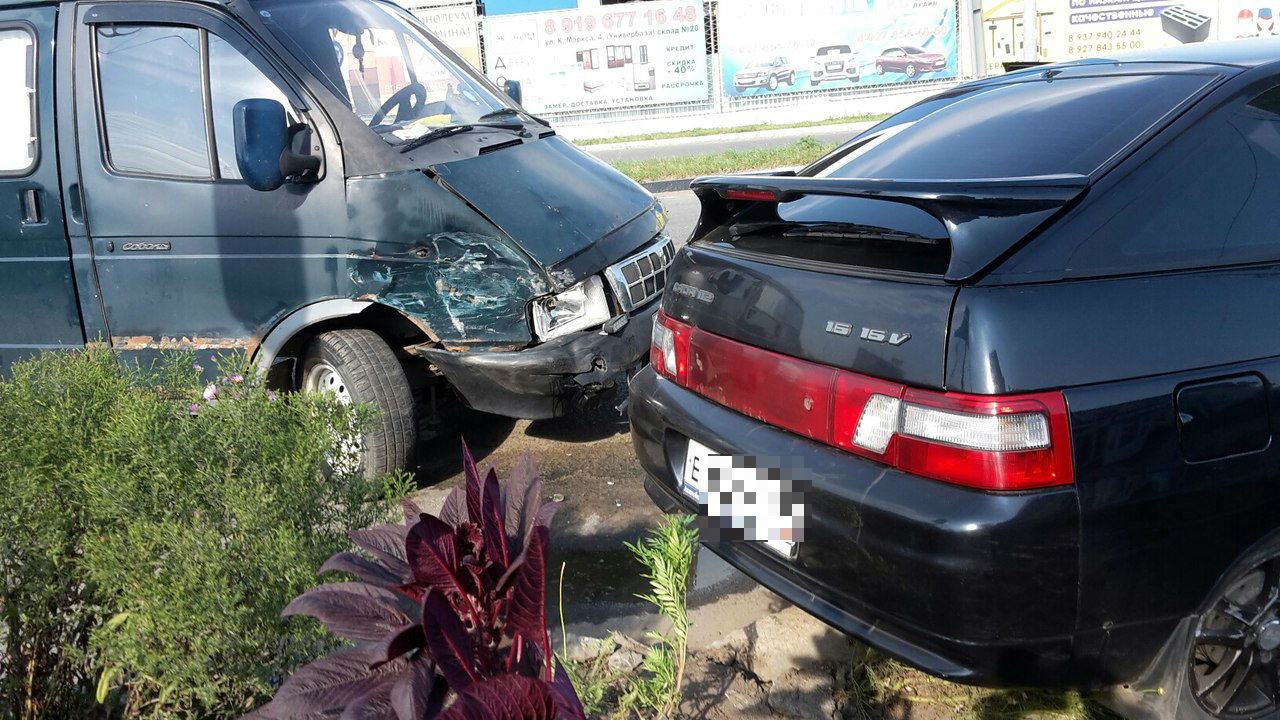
x=1208, y=199
x=18, y=131
x=152, y=83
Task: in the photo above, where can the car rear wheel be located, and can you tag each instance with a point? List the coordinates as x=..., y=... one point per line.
x=1233, y=668
x=912, y=70
x=357, y=366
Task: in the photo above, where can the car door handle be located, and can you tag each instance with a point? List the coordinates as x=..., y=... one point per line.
x=31, y=212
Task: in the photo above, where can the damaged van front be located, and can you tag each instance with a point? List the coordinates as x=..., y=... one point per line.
x=484, y=250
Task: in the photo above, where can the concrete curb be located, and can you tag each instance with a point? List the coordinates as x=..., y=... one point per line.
x=663, y=186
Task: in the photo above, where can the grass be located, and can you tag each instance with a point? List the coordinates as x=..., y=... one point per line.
x=703, y=132
x=879, y=688
x=801, y=152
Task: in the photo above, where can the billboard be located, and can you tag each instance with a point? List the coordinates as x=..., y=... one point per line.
x=602, y=57
x=782, y=46
x=456, y=24
x=1074, y=29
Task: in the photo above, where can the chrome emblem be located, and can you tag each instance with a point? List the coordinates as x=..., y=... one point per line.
x=690, y=291
x=869, y=334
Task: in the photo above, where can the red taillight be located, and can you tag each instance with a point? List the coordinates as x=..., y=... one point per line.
x=993, y=443
x=1018, y=442
x=754, y=195
x=669, y=351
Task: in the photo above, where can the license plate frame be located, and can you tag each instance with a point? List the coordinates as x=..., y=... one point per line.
x=694, y=486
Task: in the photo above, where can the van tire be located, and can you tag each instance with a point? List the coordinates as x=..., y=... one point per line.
x=369, y=373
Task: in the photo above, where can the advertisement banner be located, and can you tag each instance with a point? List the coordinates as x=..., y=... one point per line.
x=602, y=57
x=781, y=46
x=456, y=24
x=1074, y=29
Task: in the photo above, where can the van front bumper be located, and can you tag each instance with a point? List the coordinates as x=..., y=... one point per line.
x=971, y=586
x=551, y=379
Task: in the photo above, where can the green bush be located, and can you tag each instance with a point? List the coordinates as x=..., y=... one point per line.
x=151, y=537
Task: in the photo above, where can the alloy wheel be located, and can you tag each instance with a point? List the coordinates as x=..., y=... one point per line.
x=1235, y=655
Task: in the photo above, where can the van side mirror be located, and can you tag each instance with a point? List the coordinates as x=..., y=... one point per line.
x=264, y=145
x=512, y=90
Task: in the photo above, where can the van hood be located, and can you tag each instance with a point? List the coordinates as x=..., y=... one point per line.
x=570, y=212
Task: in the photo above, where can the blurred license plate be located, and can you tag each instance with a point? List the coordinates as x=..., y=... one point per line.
x=699, y=460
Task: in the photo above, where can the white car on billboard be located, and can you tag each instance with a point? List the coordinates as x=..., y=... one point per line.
x=834, y=62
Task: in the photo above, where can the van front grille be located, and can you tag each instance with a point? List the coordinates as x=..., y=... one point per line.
x=641, y=277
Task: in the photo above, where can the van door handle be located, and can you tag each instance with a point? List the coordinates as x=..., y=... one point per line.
x=77, y=203
x=31, y=214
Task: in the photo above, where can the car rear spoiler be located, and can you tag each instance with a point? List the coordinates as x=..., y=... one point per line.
x=984, y=218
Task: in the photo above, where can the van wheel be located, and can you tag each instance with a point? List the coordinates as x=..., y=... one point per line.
x=1233, y=667
x=357, y=366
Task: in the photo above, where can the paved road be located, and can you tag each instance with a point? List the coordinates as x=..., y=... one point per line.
x=679, y=147
x=588, y=460
x=682, y=211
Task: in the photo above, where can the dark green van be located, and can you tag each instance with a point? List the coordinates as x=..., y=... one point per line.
x=322, y=185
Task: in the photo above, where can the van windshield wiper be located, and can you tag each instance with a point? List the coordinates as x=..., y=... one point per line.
x=849, y=231
x=451, y=130
x=509, y=112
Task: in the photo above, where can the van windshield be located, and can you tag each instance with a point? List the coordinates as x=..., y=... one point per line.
x=394, y=77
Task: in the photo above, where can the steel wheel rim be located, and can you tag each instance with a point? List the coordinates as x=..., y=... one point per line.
x=1234, y=664
x=323, y=377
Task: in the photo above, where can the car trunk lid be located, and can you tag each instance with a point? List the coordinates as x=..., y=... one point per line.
x=858, y=275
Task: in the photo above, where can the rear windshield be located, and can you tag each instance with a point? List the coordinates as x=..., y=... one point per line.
x=1018, y=129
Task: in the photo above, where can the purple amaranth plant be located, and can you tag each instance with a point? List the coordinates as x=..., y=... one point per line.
x=445, y=607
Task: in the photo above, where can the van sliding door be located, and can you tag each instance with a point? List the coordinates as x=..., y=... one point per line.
x=36, y=286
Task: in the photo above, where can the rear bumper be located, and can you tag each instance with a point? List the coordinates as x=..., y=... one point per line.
x=551, y=379
x=971, y=586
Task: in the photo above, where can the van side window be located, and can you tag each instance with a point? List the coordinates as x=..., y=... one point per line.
x=152, y=100
x=18, y=97
x=1207, y=199
x=232, y=78
x=152, y=82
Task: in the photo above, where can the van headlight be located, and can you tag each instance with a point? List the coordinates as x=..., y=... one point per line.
x=578, y=308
